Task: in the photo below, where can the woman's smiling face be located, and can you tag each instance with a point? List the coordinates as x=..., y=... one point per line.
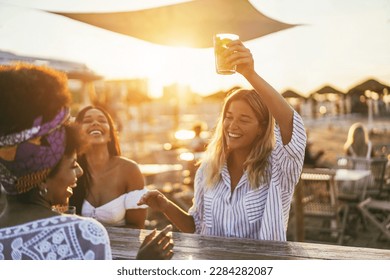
x=95, y=125
x=60, y=185
x=241, y=126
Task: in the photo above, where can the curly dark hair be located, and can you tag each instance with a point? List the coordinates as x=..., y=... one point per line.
x=28, y=91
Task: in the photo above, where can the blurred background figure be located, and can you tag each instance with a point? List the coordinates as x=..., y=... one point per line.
x=197, y=147
x=312, y=158
x=198, y=143
x=358, y=143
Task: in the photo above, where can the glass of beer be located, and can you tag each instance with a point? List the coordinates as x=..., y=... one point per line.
x=220, y=44
x=64, y=209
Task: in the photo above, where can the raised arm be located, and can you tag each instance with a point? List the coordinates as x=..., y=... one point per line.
x=238, y=54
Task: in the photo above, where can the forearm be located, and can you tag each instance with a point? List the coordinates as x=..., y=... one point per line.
x=135, y=218
x=181, y=219
x=136, y=226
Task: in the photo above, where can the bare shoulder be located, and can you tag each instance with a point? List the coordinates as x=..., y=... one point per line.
x=127, y=164
x=131, y=172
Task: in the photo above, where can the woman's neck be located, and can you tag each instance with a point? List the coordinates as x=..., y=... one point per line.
x=19, y=212
x=98, y=158
x=238, y=158
x=236, y=167
x=32, y=198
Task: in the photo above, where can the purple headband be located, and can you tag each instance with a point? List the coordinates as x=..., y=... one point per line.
x=27, y=157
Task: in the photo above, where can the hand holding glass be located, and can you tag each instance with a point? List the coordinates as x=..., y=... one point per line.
x=220, y=44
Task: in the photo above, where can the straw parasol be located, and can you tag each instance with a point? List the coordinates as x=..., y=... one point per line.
x=370, y=84
x=326, y=92
x=292, y=94
x=190, y=23
x=364, y=89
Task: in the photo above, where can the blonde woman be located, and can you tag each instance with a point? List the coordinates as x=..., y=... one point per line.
x=358, y=143
x=244, y=185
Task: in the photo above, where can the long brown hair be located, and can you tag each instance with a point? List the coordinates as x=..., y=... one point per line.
x=85, y=181
x=257, y=162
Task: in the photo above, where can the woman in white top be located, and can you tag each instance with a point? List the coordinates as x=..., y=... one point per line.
x=245, y=183
x=112, y=184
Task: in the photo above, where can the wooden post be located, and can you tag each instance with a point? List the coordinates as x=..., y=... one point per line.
x=298, y=209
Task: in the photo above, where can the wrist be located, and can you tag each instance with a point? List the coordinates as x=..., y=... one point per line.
x=166, y=207
x=250, y=76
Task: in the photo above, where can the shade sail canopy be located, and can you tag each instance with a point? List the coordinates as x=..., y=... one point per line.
x=189, y=24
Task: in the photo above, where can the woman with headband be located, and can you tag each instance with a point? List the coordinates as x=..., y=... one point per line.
x=38, y=169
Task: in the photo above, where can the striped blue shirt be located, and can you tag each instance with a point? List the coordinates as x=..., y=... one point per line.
x=260, y=213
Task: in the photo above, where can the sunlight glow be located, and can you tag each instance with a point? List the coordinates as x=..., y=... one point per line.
x=187, y=156
x=323, y=48
x=184, y=134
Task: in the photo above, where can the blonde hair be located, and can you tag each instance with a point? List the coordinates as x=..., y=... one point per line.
x=357, y=139
x=257, y=161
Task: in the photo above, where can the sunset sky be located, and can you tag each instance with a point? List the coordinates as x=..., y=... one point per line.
x=338, y=42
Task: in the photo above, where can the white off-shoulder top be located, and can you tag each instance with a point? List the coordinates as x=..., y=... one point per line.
x=113, y=212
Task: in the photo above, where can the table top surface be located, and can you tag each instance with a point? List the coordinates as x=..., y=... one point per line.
x=351, y=174
x=125, y=243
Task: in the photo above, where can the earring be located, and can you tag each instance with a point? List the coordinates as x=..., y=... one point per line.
x=43, y=192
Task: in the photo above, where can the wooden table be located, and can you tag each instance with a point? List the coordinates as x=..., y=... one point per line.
x=125, y=243
x=351, y=175
x=355, y=178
